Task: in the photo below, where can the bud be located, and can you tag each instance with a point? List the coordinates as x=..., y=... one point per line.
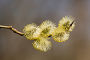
x=46, y=28
x=29, y=31
x=67, y=23
x=60, y=35
x=42, y=44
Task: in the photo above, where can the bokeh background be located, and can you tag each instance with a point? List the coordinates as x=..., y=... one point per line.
x=19, y=13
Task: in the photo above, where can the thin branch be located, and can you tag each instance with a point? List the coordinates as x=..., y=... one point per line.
x=13, y=29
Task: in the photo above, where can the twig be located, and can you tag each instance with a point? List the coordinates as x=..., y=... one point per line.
x=13, y=29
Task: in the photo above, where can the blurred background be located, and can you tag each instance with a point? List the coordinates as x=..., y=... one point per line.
x=19, y=13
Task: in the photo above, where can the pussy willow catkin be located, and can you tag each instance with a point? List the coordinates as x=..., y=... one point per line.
x=46, y=29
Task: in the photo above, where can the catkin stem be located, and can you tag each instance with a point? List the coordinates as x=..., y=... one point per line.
x=13, y=29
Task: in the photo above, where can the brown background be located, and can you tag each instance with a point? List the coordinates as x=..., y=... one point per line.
x=18, y=13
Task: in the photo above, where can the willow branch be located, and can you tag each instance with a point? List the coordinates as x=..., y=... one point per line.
x=13, y=29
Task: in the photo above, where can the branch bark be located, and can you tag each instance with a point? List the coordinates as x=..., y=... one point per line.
x=13, y=29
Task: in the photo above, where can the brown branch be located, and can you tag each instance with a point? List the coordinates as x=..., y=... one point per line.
x=13, y=29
